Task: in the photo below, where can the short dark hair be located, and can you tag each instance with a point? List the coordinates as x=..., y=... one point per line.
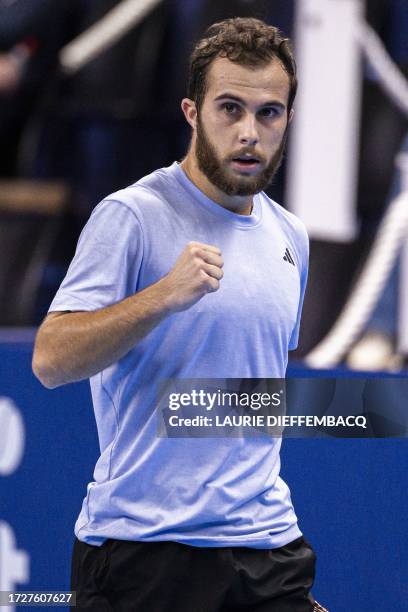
x=243, y=40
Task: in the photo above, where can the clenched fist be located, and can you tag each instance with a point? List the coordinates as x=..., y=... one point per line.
x=197, y=271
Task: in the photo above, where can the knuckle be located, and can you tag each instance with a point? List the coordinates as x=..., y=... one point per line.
x=192, y=247
x=202, y=268
x=197, y=252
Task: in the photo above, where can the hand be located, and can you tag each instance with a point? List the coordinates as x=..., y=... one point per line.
x=197, y=271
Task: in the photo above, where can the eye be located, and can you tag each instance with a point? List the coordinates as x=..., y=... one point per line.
x=230, y=108
x=269, y=112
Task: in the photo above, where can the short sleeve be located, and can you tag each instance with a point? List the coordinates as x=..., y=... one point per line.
x=304, y=251
x=107, y=260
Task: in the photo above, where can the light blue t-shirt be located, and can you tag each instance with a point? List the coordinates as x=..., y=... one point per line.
x=203, y=492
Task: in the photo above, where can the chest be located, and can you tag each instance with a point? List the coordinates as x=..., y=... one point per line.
x=261, y=272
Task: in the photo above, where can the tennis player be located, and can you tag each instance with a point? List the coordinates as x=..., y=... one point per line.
x=192, y=272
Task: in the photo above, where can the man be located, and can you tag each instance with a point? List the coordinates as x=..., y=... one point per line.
x=192, y=272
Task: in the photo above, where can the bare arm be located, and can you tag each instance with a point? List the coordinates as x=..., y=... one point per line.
x=71, y=346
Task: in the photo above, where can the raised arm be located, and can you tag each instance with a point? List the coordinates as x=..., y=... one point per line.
x=72, y=346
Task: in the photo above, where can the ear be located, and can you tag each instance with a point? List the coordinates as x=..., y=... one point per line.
x=292, y=112
x=190, y=111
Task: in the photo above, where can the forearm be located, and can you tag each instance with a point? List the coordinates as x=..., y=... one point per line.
x=74, y=346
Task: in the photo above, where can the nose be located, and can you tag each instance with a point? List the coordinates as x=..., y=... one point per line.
x=248, y=133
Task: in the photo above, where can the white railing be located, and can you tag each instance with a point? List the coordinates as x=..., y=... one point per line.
x=392, y=233
x=103, y=34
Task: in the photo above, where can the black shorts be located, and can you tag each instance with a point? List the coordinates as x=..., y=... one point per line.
x=170, y=577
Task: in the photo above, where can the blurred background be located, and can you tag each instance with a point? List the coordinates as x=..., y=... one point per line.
x=79, y=120
x=85, y=111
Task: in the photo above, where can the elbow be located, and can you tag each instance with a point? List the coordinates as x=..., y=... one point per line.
x=43, y=371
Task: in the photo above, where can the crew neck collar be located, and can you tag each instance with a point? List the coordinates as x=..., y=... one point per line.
x=242, y=221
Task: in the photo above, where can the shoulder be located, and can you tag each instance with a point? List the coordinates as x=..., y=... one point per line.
x=292, y=227
x=147, y=195
x=289, y=222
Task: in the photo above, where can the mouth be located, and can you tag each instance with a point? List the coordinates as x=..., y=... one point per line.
x=245, y=163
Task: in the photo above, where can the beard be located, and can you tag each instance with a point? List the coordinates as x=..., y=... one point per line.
x=212, y=167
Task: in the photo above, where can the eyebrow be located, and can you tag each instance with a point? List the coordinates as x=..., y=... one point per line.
x=229, y=96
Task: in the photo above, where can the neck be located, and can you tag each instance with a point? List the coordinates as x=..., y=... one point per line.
x=242, y=205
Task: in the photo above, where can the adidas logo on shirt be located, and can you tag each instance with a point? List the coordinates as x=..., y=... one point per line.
x=288, y=257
